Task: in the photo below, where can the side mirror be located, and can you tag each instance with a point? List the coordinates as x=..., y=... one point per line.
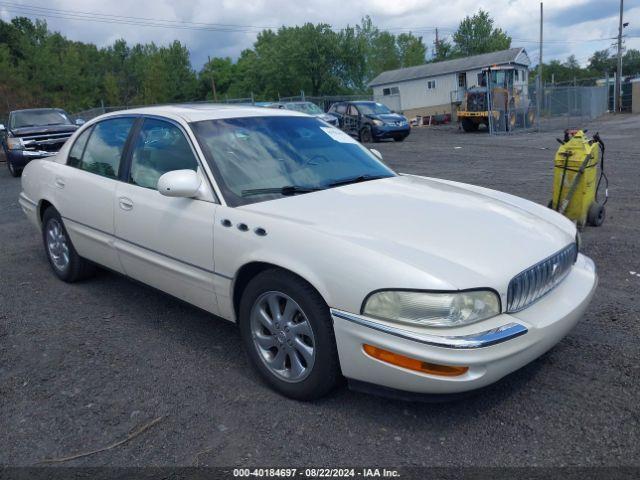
x=179, y=183
x=79, y=122
x=2, y=129
x=376, y=153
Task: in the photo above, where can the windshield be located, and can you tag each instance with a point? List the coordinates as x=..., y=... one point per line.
x=37, y=118
x=372, y=108
x=306, y=107
x=301, y=154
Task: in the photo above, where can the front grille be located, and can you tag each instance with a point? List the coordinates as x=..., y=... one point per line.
x=530, y=285
x=51, y=142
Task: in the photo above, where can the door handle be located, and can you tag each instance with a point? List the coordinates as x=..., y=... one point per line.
x=125, y=203
x=59, y=182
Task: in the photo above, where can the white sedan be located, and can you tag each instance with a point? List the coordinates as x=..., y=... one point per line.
x=331, y=264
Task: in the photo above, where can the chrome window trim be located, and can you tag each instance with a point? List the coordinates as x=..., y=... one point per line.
x=482, y=339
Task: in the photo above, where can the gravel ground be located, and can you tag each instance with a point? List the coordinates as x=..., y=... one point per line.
x=83, y=365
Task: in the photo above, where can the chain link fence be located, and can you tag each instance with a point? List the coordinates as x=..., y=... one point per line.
x=561, y=107
x=510, y=110
x=570, y=106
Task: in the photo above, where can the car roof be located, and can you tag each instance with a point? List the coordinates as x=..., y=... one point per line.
x=38, y=110
x=198, y=112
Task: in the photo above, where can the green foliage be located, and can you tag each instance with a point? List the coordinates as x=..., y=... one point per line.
x=601, y=63
x=476, y=35
x=443, y=51
x=311, y=58
x=41, y=68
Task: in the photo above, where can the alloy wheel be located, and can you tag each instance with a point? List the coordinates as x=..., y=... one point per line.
x=57, y=245
x=282, y=336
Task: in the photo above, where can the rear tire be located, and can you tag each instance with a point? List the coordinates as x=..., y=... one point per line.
x=399, y=139
x=596, y=214
x=294, y=348
x=65, y=262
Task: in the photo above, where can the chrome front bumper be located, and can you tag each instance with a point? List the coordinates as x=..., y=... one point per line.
x=490, y=349
x=38, y=153
x=481, y=339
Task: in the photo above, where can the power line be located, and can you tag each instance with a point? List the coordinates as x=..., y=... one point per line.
x=223, y=27
x=125, y=17
x=163, y=23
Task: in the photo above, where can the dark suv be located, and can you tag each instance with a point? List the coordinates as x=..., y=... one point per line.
x=370, y=121
x=34, y=133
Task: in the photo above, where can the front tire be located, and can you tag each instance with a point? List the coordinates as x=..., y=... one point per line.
x=469, y=125
x=288, y=335
x=15, y=172
x=366, y=136
x=65, y=262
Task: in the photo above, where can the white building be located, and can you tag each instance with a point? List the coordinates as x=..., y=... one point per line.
x=437, y=87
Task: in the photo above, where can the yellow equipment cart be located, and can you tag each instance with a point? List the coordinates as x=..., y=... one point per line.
x=577, y=176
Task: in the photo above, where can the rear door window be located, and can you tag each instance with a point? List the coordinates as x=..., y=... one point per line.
x=75, y=155
x=103, y=151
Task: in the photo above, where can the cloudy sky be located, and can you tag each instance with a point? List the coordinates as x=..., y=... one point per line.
x=226, y=27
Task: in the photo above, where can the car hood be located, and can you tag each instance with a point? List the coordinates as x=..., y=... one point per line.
x=389, y=117
x=42, y=129
x=462, y=235
x=325, y=117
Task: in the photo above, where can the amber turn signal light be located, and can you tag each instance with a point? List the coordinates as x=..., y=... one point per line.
x=413, y=364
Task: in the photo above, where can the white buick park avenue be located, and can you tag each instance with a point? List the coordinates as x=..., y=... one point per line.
x=332, y=265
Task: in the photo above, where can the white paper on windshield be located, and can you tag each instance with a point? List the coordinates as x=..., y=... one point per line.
x=338, y=135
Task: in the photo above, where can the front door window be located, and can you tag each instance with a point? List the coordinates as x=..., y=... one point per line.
x=159, y=147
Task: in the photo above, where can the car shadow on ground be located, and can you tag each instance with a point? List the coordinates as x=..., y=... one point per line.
x=220, y=340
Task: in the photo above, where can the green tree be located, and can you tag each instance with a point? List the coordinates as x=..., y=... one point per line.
x=631, y=62
x=222, y=71
x=443, y=51
x=476, y=35
x=411, y=50
x=602, y=62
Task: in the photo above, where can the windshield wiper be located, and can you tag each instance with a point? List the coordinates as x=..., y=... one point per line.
x=358, y=179
x=287, y=190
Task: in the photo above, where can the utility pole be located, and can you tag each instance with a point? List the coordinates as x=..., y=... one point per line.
x=618, y=86
x=539, y=93
x=437, y=43
x=213, y=83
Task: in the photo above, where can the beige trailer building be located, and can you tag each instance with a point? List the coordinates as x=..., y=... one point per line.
x=439, y=87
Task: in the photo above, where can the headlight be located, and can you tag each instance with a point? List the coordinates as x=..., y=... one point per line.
x=14, y=143
x=378, y=123
x=452, y=309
